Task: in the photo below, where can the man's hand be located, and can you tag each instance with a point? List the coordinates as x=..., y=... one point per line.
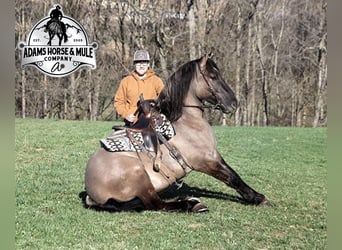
x=130, y=118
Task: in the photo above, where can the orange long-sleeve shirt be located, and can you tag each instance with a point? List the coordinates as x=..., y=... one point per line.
x=130, y=88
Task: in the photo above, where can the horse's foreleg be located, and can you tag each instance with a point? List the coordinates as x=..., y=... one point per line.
x=223, y=172
x=152, y=201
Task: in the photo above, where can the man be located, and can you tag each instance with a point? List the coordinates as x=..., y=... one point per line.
x=143, y=81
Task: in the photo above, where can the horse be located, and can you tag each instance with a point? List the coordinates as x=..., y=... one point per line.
x=125, y=181
x=56, y=27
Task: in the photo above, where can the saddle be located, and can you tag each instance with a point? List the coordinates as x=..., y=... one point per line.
x=146, y=134
x=146, y=126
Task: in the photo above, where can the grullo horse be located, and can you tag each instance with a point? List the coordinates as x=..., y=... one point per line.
x=119, y=181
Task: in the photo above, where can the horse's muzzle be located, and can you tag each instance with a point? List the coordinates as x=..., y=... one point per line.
x=229, y=109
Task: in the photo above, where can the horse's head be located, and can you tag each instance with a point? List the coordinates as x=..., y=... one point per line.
x=192, y=84
x=215, y=91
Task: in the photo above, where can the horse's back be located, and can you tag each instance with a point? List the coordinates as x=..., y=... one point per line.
x=54, y=26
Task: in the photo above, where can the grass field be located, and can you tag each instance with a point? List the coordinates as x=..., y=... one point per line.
x=288, y=165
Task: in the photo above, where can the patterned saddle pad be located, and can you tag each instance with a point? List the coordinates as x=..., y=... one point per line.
x=119, y=141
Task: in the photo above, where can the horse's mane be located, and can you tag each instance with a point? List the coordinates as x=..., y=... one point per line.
x=170, y=100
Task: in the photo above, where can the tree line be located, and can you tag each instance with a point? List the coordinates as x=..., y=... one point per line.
x=272, y=53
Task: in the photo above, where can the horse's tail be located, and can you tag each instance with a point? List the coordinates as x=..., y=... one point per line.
x=63, y=28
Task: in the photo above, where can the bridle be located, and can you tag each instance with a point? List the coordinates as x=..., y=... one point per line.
x=211, y=89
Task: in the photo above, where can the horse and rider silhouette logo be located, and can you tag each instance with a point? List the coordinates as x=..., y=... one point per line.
x=58, y=45
x=55, y=26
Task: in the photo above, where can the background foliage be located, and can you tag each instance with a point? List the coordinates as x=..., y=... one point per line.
x=272, y=53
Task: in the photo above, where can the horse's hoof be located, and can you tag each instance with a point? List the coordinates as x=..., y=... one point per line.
x=196, y=205
x=194, y=199
x=89, y=201
x=199, y=208
x=265, y=202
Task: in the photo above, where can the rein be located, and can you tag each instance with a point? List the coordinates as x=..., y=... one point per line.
x=211, y=106
x=195, y=106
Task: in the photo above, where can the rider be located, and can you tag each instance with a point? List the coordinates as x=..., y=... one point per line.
x=142, y=81
x=56, y=15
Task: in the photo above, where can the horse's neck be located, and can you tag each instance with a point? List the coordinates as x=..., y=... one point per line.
x=194, y=138
x=192, y=121
x=192, y=108
x=192, y=113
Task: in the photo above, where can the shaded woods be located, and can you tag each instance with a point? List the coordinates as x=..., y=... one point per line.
x=272, y=53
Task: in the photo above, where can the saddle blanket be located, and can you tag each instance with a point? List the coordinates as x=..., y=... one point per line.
x=119, y=141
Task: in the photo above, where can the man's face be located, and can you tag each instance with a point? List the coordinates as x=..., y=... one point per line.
x=141, y=67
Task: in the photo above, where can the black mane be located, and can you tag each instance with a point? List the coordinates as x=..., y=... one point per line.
x=170, y=100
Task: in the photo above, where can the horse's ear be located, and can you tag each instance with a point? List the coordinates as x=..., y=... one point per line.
x=203, y=62
x=204, y=59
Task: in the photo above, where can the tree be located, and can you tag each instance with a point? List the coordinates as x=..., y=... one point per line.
x=322, y=69
x=273, y=54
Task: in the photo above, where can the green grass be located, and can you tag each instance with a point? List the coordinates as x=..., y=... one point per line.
x=288, y=165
